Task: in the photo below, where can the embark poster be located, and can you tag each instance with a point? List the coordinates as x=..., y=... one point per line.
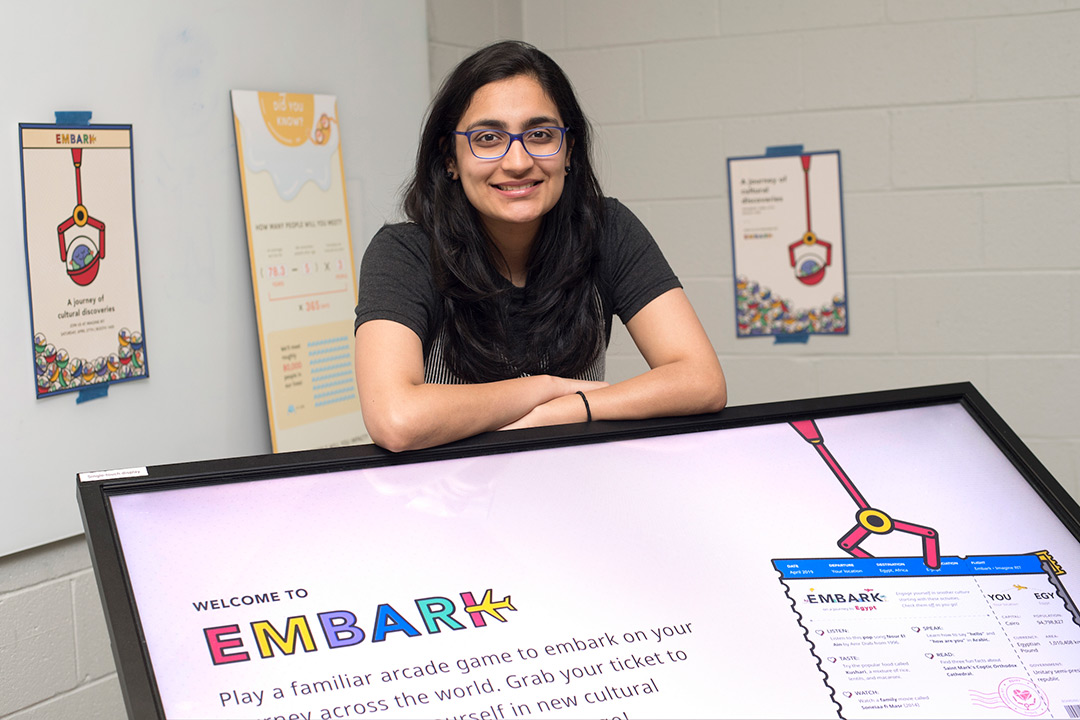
x=787, y=230
x=82, y=256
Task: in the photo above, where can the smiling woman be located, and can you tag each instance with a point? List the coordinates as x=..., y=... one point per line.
x=510, y=187
x=492, y=307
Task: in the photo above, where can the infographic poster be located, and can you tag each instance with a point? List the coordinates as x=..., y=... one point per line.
x=82, y=257
x=293, y=179
x=788, y=241
x=885, y=565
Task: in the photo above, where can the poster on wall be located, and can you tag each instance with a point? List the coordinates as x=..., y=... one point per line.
x=788, y=241
x=293, y=180
x=82, y=259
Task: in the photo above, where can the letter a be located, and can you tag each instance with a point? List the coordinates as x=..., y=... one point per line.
x=388, y=620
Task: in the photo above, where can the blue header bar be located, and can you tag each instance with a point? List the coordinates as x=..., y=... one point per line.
x=907, y=567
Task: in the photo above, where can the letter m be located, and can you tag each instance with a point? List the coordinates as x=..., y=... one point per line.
x=295, y=627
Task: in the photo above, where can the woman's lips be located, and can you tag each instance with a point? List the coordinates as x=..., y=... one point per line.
x=516, y=189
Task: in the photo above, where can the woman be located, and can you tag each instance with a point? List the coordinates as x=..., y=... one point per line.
x=492, y=308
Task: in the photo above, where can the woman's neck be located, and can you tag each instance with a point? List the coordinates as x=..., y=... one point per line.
x=511, y=246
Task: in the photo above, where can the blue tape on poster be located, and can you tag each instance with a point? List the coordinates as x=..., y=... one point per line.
x=792, y=338
x=73, y=117
x=783, y=150
x=92, y=393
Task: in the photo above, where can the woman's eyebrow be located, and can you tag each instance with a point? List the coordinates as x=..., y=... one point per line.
x=500, y=125
x=542, y=120
x=486, y=123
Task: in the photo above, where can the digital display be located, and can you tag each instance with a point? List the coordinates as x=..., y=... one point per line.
x=867, y=565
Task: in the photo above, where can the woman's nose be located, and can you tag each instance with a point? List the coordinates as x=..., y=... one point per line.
x=516, y=156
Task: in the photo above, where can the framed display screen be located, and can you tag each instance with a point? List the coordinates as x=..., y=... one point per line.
x=869, y=556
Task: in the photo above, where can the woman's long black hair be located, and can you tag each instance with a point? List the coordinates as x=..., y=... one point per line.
x=564, y=330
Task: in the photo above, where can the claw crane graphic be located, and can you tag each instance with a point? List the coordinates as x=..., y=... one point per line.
x=869, y=520
x=805, y=253
x=82, y=255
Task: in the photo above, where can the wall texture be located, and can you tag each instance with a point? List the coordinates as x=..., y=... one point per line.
x=55, y=658
x=958, y=123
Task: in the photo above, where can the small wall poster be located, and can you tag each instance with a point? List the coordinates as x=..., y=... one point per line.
x=293, y=180
x=788, y=242
x=82, y=256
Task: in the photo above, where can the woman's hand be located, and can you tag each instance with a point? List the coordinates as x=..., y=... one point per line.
x=402, y=412
x=567, y=408
x=684, y=378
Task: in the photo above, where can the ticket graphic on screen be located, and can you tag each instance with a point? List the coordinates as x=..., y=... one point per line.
x=933, y=635
x=894, y=638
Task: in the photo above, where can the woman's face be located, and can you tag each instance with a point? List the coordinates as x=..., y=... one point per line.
x=513, y=193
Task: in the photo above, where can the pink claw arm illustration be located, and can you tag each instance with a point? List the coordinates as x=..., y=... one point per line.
x=870, y=520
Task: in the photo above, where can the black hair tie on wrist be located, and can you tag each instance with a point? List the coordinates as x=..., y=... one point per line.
x=588, y=410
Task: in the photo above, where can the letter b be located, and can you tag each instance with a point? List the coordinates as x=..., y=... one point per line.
x=340, y=629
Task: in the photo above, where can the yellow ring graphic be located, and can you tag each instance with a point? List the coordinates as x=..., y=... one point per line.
x=809, y=238
x=883, y=525
x=80, y=215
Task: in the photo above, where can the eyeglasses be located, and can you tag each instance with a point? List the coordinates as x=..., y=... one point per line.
x=540, y=142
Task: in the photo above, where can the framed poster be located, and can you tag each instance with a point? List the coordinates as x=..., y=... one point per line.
x=293, y=180
x=85, y=293
x=787, y=234
x=892, y=554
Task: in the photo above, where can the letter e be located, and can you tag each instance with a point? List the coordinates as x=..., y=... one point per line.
x=218, y=643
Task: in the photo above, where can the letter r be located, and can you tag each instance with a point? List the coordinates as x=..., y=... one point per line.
x=434, y=609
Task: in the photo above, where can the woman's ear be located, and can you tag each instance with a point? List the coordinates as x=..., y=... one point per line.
x=451, y=162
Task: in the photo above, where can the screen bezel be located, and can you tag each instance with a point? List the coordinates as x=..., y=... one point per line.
x=130, y=651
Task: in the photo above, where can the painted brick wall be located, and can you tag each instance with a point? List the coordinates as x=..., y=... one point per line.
x=55, y=660
x=959, y=127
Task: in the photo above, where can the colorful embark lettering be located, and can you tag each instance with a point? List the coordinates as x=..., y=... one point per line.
x=341, y=628
x=75, y=139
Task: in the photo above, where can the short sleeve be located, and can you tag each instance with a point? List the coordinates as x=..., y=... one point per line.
x=634, y=271
x=396, y=282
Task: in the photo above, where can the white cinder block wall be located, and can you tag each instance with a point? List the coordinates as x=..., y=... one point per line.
x=959, y=127
x=958, y=123
x=55, y=659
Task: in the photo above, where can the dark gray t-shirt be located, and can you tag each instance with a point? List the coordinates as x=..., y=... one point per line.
x=396, y=283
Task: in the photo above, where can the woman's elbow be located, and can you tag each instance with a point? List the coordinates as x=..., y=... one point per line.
x=714, y=390
x=392, y=432
x=718, y=400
